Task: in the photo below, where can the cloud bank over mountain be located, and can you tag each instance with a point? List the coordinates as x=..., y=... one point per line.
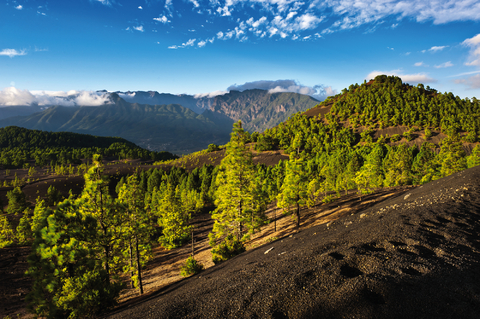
x=319, y=92
x=12, y=96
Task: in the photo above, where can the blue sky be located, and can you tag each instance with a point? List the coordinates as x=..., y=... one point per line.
x=205, y=46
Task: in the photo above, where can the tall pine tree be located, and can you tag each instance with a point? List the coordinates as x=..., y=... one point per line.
x=235, y=196
x=294, y=190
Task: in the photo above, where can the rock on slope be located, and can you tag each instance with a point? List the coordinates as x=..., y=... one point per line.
x=414, y=256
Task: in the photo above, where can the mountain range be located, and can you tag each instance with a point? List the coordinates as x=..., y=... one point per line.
x=257, y=109
x=159, y=122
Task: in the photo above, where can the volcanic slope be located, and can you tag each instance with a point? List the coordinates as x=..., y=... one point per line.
x=413, y=256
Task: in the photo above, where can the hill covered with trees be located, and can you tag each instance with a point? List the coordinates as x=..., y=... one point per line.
x=19, y=146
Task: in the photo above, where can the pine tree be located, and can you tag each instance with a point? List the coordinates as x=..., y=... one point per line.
x=24, y=233
x=68, y=279
x=95, y=201
x=53, y=196
x=235, y=194
x=7, y=236
x=294, y=190
x=452, y=156
x=474, y=158
x=173, y=217
x=16, y=201
x=136, y=229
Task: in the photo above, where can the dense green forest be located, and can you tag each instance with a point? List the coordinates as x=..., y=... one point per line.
x=89, y=241
x=19, y=146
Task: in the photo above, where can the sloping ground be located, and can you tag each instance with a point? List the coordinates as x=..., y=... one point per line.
x=413, y=256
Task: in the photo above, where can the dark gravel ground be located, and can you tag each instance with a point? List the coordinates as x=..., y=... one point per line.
x=413, y=256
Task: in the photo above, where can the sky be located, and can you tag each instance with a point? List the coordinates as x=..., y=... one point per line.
x=208, y=47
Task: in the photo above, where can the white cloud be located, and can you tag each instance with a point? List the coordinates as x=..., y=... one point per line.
x=444, y=65
x=474, y=41
x=210, y=94
x=407, y=78
x=19, y=7
x=320, y=92
x=12, y=96
x=355, y=13
x=474, y=44
x=108, y=3
x=202, y=43
x=12, y=52
x=140, y=7
x=419, y=64
x=292, y=18
x=195, y=3
x=437, y=48
x=162, y=19
x=189, y=43
x=139, y=28
x=306, y=22
x=472, y=82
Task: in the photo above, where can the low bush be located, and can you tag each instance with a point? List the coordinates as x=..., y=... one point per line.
x=191, y=267
x=227, y=249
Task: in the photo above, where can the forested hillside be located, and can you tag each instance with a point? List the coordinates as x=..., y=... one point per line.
x=19, y=146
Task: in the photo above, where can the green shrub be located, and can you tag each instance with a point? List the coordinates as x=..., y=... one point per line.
x=395, y=138
x=191, y=267
x=212, y=148
x=230, y=247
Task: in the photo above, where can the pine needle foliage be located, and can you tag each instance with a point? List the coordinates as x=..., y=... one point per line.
x=235, y=196
x=294, y=190
x=68, y=279
x=136, y=229
x=191, y=267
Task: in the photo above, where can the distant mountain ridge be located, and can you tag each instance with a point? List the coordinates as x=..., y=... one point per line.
x=169, y=124
x=257, y=109
x=156, y=127
x=154, y=98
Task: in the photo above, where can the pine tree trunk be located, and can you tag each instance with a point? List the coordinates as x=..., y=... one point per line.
x=131, y=266
x=107, y=266
x=276, y=219
x=240, y=223
x=253, y=227
x=193, y=247
x=139, y=269
x=298, y=215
